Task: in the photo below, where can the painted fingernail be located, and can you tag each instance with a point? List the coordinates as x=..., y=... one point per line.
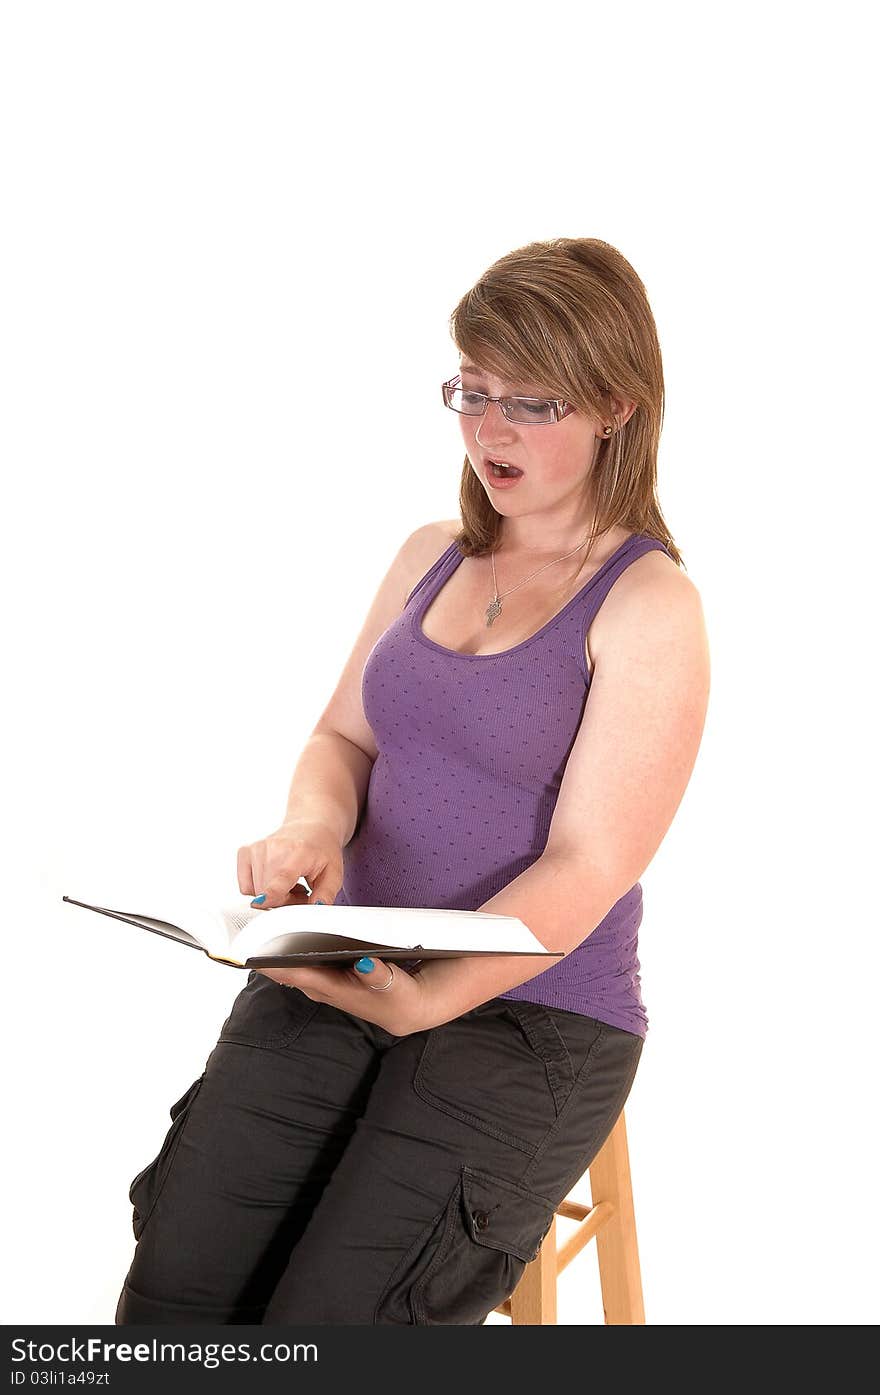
x=258, y=900
x=365, y=965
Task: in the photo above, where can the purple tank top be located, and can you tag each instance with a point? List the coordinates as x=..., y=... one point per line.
x=472, y=750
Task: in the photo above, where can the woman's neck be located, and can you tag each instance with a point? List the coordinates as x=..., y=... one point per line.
x=531, y=537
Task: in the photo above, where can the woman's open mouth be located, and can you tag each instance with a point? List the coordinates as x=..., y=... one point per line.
x=500, y=475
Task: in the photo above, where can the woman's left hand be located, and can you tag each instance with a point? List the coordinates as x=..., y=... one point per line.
x=399, y=1010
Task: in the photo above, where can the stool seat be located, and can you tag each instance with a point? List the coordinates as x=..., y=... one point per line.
x=610, y=1220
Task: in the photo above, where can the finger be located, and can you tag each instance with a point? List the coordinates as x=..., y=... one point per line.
x=276, y=894
x=258, y=867
x=372, y=972
x=245, y=873
x=322, y=985
x=286, y=978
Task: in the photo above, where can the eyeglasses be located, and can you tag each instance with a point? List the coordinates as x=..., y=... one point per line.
x=536, y=411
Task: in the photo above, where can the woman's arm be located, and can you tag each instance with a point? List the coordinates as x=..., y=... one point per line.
x=329, y=784
x=560, y=903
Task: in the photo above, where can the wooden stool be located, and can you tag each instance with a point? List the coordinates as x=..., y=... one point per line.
x=611, y=1220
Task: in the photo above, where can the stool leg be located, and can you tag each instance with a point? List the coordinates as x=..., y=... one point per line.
x=533, y=1301
x=619, y=1270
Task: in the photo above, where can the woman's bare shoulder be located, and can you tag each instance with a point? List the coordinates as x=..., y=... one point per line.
x=446, y=531
x=427, y=544
x=651, y=589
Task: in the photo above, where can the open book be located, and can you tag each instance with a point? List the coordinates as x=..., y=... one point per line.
x=285, y=935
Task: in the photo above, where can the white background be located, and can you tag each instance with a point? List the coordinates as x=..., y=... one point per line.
x=226, y=227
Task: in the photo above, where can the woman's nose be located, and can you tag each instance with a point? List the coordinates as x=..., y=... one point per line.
x=494, y=425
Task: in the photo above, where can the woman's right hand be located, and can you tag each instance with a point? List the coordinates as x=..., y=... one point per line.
x=299, y=848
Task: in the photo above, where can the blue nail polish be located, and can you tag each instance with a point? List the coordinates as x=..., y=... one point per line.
x=365, y=965
x=258, y=900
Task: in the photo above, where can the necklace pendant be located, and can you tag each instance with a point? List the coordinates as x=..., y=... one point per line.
x=492, y=611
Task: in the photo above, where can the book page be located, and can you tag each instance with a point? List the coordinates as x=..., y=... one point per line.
x=396, y=926
x=233, y=920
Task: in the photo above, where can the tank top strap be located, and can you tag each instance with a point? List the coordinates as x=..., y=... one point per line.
x=595, y=592
x=436, y=575
x=583, y=609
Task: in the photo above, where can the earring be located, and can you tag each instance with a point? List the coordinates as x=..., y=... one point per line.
x=607, y=431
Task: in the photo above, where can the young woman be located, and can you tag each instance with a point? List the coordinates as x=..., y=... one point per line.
x=513, y=733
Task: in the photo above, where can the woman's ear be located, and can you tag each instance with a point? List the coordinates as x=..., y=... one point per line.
x=623, y=409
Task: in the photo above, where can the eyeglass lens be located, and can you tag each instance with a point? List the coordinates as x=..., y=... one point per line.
x=522, y=409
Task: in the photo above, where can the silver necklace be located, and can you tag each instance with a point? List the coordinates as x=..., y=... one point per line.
x=493, y=610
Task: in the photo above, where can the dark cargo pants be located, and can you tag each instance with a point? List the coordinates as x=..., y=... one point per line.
x=322, y=1170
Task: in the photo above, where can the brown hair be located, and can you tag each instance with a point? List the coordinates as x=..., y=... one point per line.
x=571, y=312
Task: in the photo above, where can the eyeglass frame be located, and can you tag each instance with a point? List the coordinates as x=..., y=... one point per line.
x=563, y=408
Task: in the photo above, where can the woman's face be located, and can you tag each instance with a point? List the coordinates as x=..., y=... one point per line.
x=554, y=458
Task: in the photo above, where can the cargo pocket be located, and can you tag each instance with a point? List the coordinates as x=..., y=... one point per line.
x=268, y=1015
x=502, y=1068
x=145, y=1189
x=471, y=1257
